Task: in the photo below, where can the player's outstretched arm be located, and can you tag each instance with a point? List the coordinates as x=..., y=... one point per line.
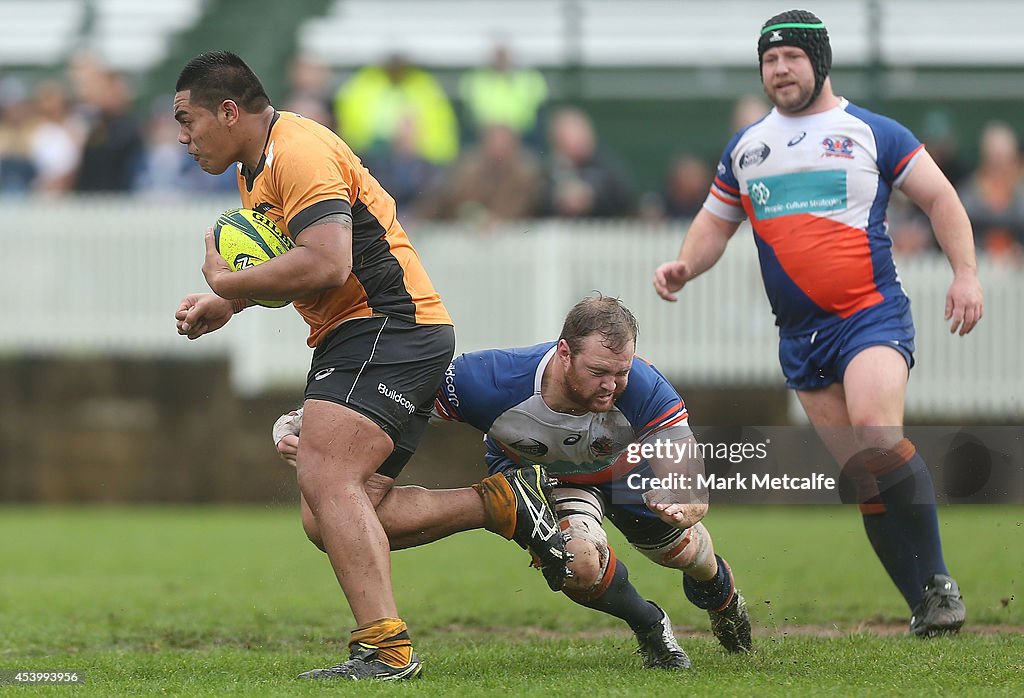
x=202, y=313
x=927, y=187
x=703, y=245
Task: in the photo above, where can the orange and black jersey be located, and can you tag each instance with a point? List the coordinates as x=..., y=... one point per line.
x=307, y=172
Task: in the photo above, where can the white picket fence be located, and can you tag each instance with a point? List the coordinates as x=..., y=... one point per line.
x=104, y=276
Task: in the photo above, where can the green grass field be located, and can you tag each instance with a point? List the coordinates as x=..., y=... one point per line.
x=234, y=601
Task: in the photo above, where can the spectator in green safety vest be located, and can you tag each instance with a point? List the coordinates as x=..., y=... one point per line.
x=506, y=95
x=380, y=100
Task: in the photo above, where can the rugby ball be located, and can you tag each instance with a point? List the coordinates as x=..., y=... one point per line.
x=245, y=238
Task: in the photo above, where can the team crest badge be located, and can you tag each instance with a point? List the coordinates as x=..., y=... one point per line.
x=838, y=147
x=603, y=446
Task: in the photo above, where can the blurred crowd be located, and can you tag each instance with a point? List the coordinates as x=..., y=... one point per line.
x=496, y=150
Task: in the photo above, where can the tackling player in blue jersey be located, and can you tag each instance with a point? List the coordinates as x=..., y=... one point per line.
x=814, y=178
x=579, y=407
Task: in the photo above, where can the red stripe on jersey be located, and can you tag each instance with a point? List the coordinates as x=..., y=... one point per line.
x=674, y=408
x=726, y=187
x=731, y=202
x=617, y=470
x=444, y=410
x=903, y=163
x=662, y=427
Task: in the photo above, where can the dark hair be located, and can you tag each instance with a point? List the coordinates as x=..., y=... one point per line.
x=603, y=315
x=215, y=76
x=804, y=30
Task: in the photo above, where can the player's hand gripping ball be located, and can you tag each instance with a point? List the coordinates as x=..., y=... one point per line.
x=245, y=238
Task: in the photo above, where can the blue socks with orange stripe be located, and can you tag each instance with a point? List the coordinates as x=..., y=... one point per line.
x=621, y=599
x=711, y=594
x=904, y=531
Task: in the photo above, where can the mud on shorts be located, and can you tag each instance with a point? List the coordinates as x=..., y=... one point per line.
x=820, y=358
x=385, y=369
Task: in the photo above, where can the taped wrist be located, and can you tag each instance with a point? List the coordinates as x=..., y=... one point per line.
x=287, y=424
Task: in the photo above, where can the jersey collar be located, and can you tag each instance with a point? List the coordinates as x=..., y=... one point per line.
x=250, y=177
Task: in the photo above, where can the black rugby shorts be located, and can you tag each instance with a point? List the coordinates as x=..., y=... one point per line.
x=387, y=370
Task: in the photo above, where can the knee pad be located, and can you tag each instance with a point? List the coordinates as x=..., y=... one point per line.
x=685, y=550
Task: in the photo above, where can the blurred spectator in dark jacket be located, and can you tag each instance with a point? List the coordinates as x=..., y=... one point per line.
x=994, y=194
x=403, y=171
x=686, y=186
x=939, y=137
x=16, y=123
x=496, y=180
x=581, y=180
x=114, y=143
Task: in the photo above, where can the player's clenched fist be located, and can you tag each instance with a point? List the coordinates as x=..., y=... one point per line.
x=202, y=313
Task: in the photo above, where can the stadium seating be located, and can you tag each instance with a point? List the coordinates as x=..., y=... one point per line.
x=129, y=35
x=133, y=35
x=437, y=32
x=611, y=33
x=38, y=32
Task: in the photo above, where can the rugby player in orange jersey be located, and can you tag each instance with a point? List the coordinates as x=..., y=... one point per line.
x=380, y=335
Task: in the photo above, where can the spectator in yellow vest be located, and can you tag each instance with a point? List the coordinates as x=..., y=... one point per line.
x=377, y=101
x=503, y=94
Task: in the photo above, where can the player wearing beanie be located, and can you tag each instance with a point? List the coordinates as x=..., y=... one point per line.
x=814, y=178
x=805, y=31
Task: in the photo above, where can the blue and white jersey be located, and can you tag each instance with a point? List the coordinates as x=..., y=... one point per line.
x=498, y=391
x=816, y=189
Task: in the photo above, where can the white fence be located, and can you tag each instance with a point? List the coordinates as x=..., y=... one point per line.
x=104, y=277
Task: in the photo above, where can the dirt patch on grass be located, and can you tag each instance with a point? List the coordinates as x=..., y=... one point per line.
x=877, y=627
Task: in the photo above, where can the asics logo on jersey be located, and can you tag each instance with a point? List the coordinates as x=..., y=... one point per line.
x=320, y=375
x=796, y=139
x=760, y=193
